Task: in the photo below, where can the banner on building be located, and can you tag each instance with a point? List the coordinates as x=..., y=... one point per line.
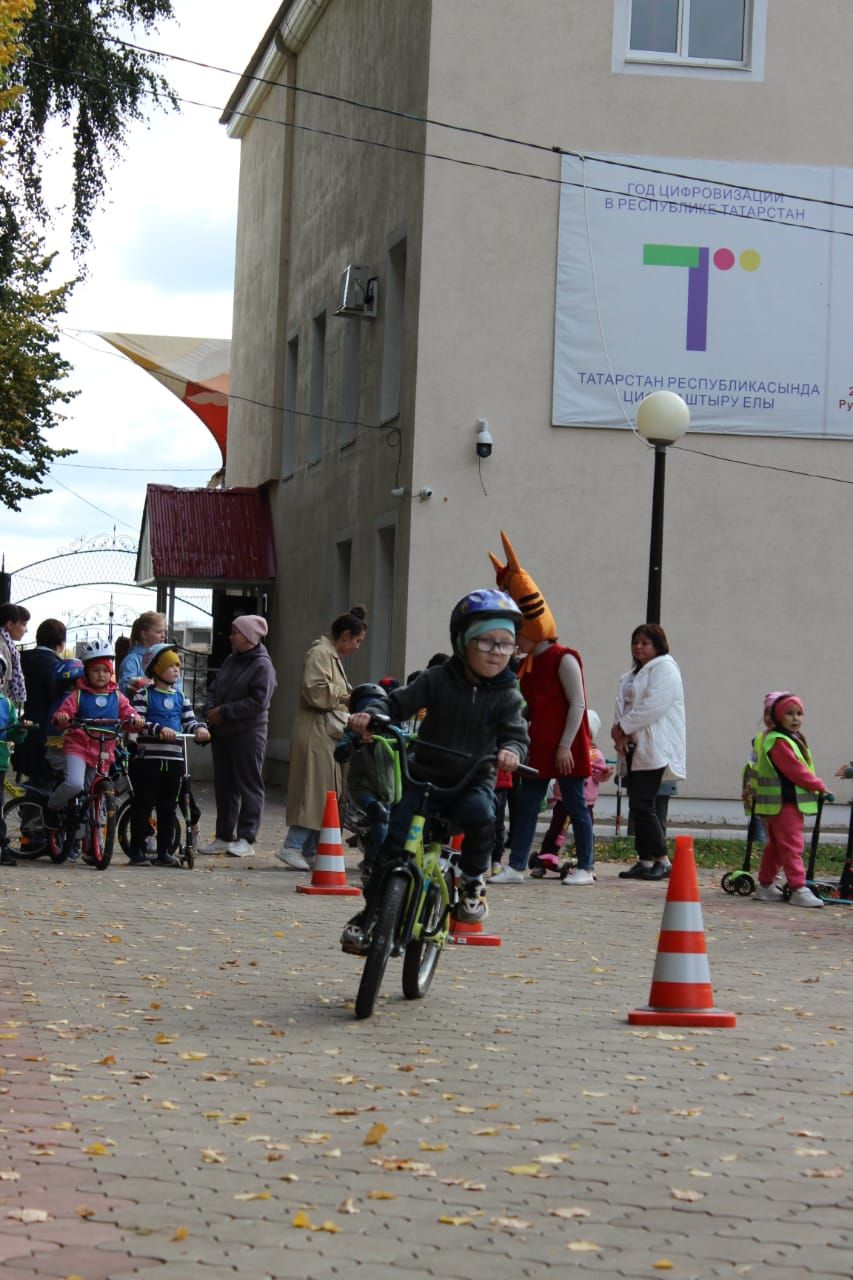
x=730, y=284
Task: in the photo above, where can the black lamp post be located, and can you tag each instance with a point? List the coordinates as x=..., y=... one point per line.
x=662, y=419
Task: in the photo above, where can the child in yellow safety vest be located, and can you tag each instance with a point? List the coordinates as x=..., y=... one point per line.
x=786, y=788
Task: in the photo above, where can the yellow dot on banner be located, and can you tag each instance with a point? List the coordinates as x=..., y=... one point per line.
x=750, y=259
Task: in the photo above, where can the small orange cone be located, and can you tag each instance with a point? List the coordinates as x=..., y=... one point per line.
x=469, y=935
x=681, y=994
x=329, y=875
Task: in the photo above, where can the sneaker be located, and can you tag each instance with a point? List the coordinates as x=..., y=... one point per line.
x=659, y=870
x=472, y=906
x=353, y=939
x=293, y=859
x=805, y=898
x=240, y=849
x=507, y=875
x=637, y=872
x=579, y=876
x=769, y=893
x=215, y=846
x=137, y=860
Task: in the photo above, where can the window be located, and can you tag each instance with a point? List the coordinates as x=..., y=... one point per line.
x=288, y=434
x=350, y=381
x=721, y=38
x=343, y=575
x=392, y=333
x=318, y=389
x=382, y=613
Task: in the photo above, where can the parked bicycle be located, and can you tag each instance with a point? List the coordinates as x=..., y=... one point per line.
x=414, y=891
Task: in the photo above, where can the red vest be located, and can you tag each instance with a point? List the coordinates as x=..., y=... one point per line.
x=548, y=708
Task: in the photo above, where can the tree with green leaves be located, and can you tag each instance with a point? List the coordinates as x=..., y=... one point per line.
x=60, y=61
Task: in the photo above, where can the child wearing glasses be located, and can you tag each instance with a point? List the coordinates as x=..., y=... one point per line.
x=472, y=706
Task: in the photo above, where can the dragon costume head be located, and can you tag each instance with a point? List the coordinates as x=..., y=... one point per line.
x=538, y=624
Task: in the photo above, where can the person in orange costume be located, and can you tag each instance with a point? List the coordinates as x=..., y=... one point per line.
x=552, y=685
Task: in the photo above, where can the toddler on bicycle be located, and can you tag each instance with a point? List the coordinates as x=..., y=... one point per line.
x=95, y=698
x=473, y=707
x=158, y=765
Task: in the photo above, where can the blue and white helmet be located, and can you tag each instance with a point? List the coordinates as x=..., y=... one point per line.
x=88, y=650
x=480, y=606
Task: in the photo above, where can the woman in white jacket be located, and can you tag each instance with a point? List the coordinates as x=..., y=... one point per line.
x=649, y=733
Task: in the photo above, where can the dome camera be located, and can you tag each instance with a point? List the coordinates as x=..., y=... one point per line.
x=484, y=442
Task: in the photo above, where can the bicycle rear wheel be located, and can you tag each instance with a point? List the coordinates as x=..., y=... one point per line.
x=123, y=831
x=102, y=826
x=25, y=828
x=382, y=942
x=421, y=958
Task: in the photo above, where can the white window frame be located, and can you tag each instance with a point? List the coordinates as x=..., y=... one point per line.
x=628, y=61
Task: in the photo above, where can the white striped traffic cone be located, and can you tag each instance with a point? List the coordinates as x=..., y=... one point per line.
x=329, y=875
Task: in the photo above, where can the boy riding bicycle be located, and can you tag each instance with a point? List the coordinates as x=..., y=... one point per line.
x=473, y=707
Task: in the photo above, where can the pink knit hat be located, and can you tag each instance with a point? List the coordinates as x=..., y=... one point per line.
x=785, y=703
x=252, y=626
x=770, y=698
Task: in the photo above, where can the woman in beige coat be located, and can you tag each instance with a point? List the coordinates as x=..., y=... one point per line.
x=319, y=723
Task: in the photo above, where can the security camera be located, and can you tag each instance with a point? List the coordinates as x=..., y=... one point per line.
x=424, y=493
x=484, y=439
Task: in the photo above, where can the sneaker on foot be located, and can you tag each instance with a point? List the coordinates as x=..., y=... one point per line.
x=167, y=860
x=215, y=846
x=240, y=849
x=507, y=875
x=472, y=906
x=805, y=898
x=637, y=872
x=137, y=860
x=579, y=875
x=769, y=893
x=294, y=859
x=353, y=938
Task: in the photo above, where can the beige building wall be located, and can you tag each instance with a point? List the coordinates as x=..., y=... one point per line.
x=755, y=569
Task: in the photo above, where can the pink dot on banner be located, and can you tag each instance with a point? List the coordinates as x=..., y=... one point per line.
x=724, y=259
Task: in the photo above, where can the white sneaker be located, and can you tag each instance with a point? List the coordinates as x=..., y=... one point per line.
x=769, y=893
x=579, y=876
x=508, y=875
x=215, y=846
x=240, y=849
x=292, y=858
x=805, y=898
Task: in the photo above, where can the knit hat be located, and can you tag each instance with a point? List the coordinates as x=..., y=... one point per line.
x=252, y=626
x=784, y=703
x=770, y=698
x=165, y=658
x=488, y=624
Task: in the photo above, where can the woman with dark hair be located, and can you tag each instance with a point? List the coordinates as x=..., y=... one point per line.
x=649, y=733
x=41, y=669
x=13, y=628
x=319, y=723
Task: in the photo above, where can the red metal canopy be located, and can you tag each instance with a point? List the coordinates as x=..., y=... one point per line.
x=218, y=537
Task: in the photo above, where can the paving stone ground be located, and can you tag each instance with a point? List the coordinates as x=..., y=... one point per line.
x=184, y=1083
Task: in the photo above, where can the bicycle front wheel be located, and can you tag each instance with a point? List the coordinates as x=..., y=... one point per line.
x=102, y=826
x=381, y=944
x=421, y=958
x=123, y=831
x=25, y=828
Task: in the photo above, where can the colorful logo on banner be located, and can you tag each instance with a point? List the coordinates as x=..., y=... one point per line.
x=697, y=260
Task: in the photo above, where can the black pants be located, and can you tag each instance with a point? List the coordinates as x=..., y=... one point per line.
x=238, y=784
x=473, y=811
x=649, y=838
x=155, y=786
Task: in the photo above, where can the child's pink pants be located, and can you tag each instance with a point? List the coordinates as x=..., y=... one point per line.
x=784, y=847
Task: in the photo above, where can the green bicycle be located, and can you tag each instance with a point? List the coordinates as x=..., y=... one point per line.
x=410, y=907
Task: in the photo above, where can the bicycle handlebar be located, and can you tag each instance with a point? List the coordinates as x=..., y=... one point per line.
x=384, y=722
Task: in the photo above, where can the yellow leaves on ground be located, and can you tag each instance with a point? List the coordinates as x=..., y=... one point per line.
x=574, y=1211
x=663, y=1264
x=210, y=1155
x=583, y=1246
x=302, y=1222
x=690, y=1196
x=28, y=1215
x=382, y=1195
x=181, y=1233
x=96, y=1149
x=432, y=1146
x=83, y=1211
x=447, y=1221
x=375, y=1134
x=193, y=1057
x=253, y=1195
x=162, y=1038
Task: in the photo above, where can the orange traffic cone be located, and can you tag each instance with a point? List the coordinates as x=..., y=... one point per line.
x=329, y=875
x=681, y=994
x=470, y=935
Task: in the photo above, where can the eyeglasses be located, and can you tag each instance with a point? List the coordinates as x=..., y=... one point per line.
x=504, y=647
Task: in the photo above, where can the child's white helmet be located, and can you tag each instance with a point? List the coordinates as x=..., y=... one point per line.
x=88, y=650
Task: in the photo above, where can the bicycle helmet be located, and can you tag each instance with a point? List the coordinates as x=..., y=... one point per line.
x=363, y=694
x=480, y=606
x=89, y=650
x=152, y=655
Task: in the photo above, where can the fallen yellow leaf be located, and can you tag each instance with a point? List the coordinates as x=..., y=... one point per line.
x=181, y=1233
x=583, y=1246
x=96, y=1149
x=28, y=1215
x=375, y=1134
x=381, y=1195
x=83, y=1211
x=447, y=1221
x=663, y=1264
x=253, y=1195
x=690, y=1196
x=193, y=1057
x=162, y=1038
x=432, y=1146
x=532, y=1170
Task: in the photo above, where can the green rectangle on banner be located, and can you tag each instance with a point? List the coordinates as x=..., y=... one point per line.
x=670, y=255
